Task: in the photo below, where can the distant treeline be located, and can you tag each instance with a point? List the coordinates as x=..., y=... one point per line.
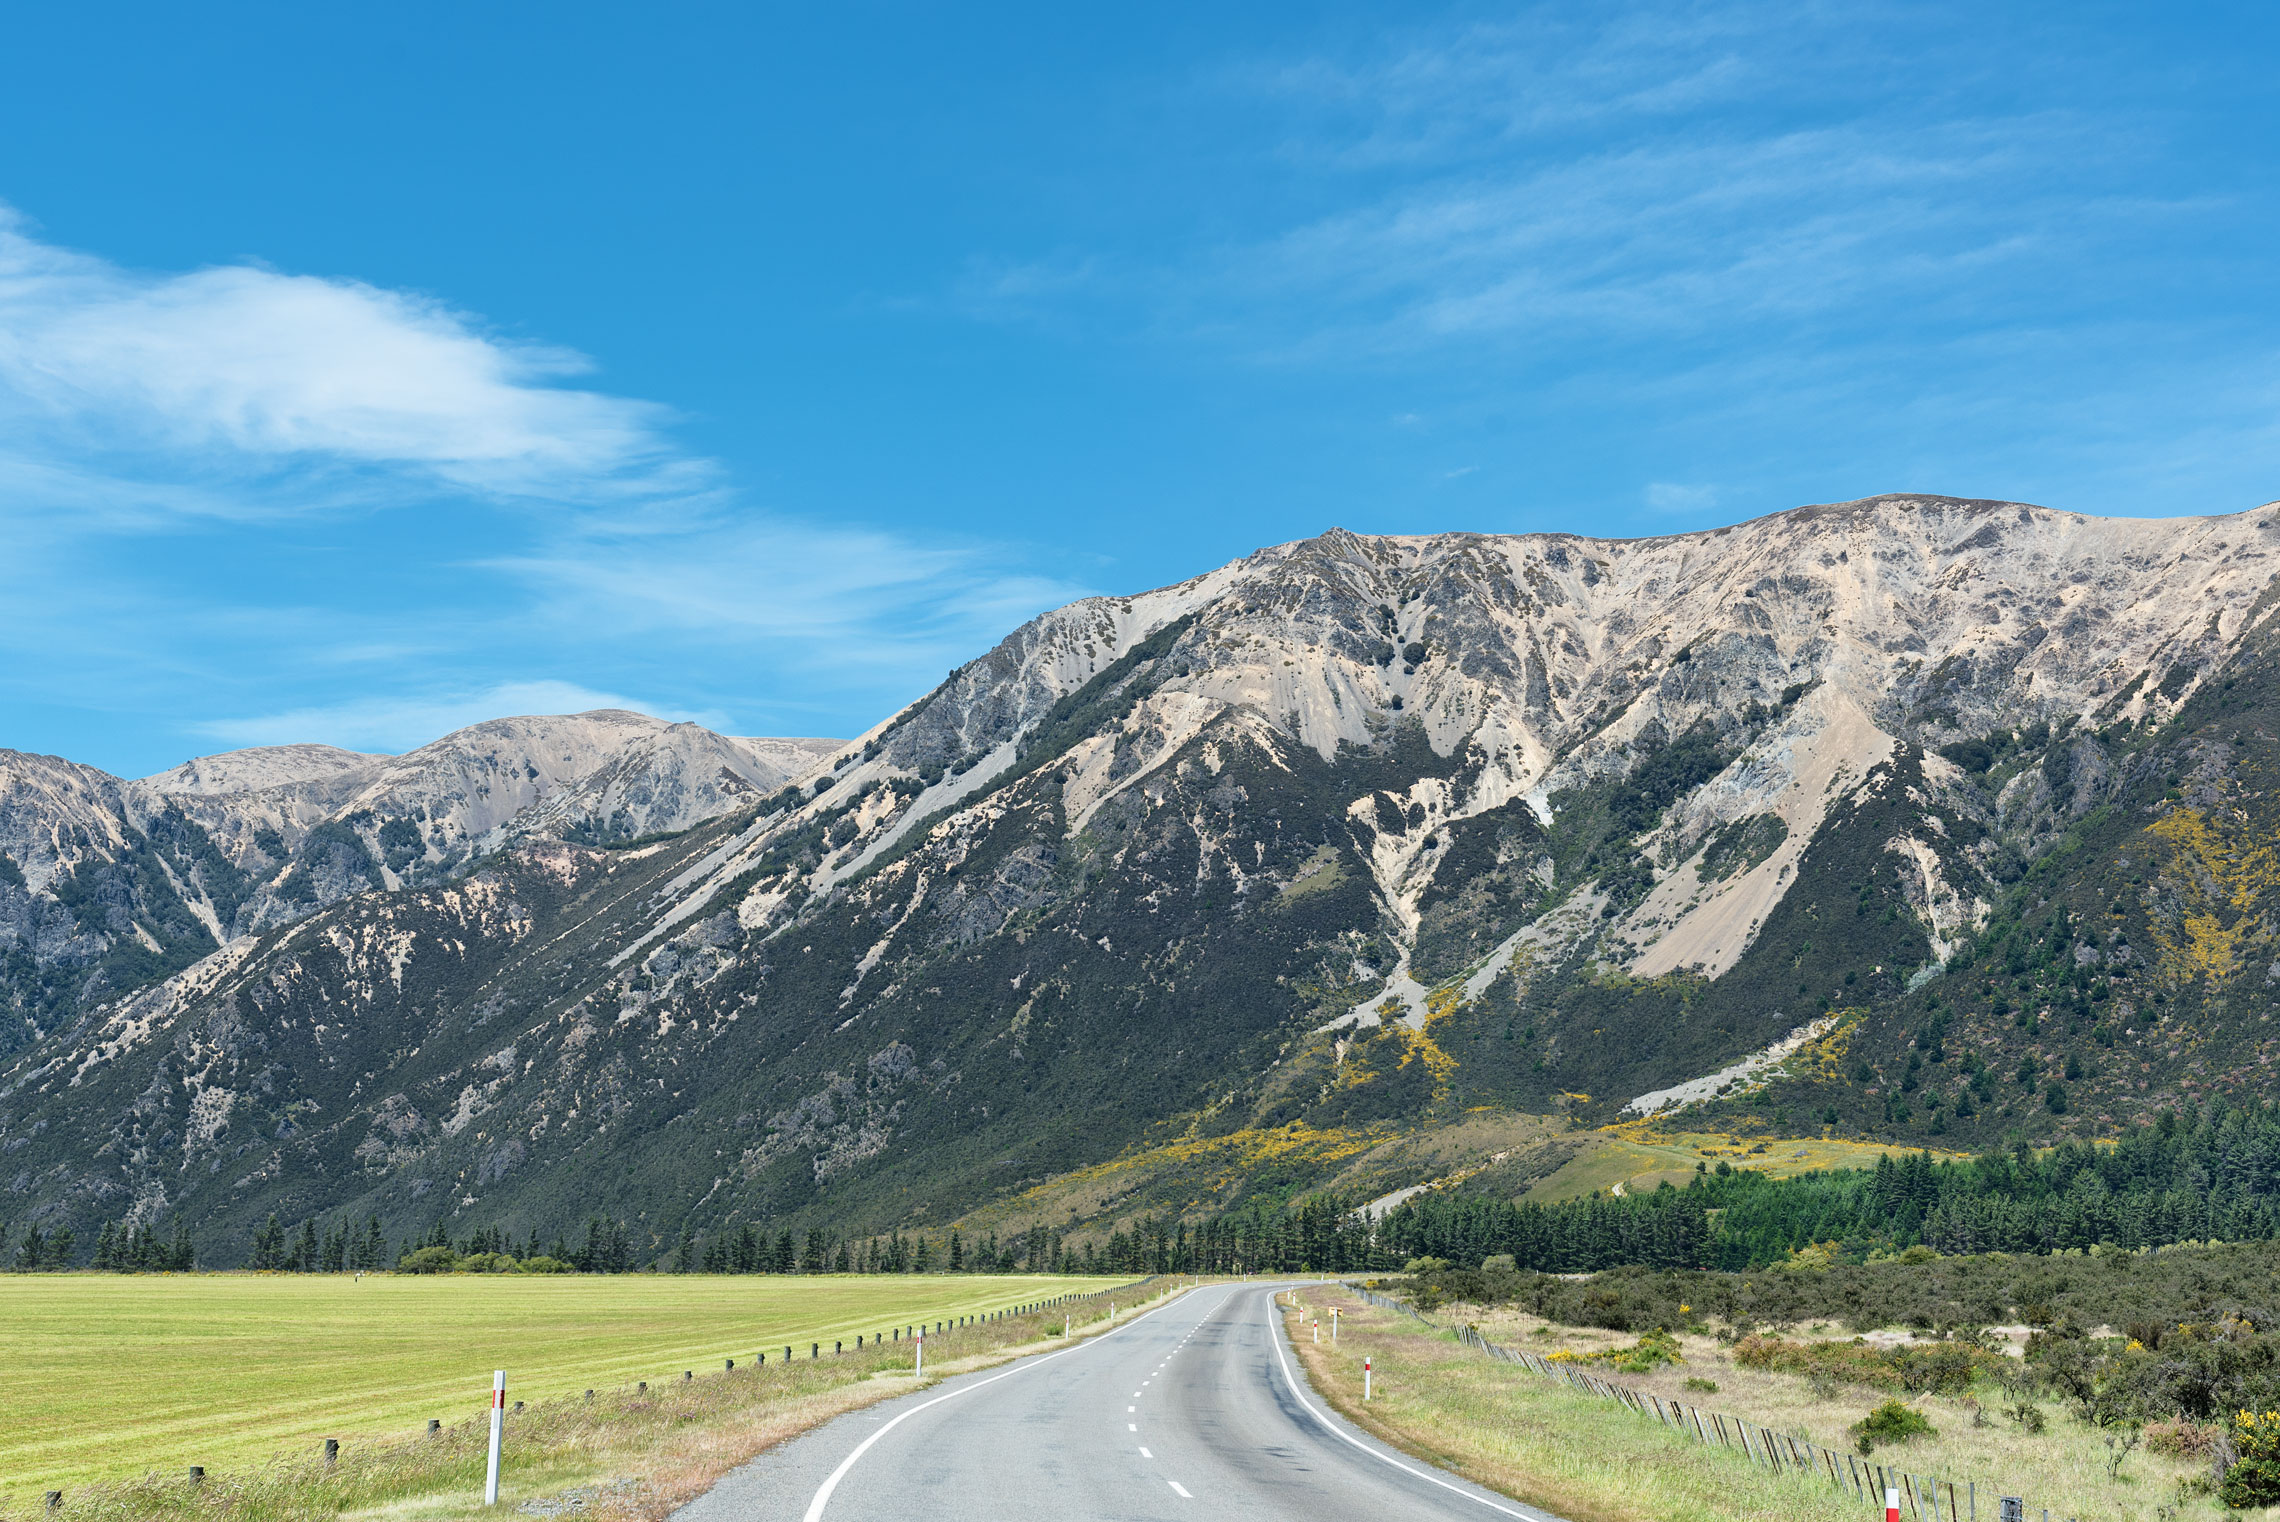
x=2191, y=1176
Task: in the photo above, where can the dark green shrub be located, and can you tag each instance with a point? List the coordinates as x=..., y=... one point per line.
x=1891, y=1422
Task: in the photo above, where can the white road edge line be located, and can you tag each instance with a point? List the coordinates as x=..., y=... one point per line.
x=814, y=1512
x=1275, y=1336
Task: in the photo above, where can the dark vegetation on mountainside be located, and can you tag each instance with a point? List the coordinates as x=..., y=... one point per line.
x=923, y=988
x=79, y=945
x=2188, y=1178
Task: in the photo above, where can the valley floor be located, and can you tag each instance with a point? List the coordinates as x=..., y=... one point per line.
x=106, y=1378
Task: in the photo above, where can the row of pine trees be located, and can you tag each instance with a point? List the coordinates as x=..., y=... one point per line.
x=2192, y=1175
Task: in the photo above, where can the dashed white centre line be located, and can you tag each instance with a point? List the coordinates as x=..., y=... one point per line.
x=1144, y=1453
x=1131, y=1408
x=1132, y=1426
x=1181, y=1490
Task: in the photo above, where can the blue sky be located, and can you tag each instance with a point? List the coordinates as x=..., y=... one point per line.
x=365, y=371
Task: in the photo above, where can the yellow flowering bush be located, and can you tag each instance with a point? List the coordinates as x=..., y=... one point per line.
x=2254, y=1478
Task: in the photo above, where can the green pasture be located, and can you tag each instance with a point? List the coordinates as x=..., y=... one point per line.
x=107, y=1377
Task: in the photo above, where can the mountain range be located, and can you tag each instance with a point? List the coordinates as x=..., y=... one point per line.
x=1913, y=819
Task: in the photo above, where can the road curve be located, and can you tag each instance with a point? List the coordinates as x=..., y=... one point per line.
x=1193, y=1410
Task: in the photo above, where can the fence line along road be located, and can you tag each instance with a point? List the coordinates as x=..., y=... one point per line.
x=1780, y=1452
x=1146, y=1288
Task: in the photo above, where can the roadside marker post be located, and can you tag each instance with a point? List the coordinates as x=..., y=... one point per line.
x=920, y=1370
x=1891, y=1503
x=1365, y=1379
x=498, y=1419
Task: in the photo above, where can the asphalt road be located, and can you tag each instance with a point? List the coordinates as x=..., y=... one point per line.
x=1193, y=1410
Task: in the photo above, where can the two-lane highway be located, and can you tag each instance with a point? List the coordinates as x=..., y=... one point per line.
x=1193, y=1410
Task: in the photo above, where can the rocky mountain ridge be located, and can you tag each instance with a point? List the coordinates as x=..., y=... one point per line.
x=1820, y=820
x=108, y=882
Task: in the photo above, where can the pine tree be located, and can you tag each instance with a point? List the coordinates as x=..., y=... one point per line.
x=269, y=1245
x=957, y=1252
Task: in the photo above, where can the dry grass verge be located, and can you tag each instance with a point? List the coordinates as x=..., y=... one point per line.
x=1512, y=1430
x=1980, y=1436
x=1554, y=1447
x=626, y=1455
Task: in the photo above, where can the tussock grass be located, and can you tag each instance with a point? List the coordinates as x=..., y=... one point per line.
x=2063, y=1468
x=630, y=1446
x=1549, y=1445
x=1568, y=1451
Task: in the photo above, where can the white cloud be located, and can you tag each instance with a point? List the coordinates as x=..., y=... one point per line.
x=823, y=596
x=1734, y=176
x=402, y=723
x=1671, y=497
x=544, y=526
x=1674, y=236
x=236, y=373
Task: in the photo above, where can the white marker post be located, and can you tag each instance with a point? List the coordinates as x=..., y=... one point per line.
x=921, y=1371
x=498, y=1416
x=1891, y=1503
x=1365, y=1379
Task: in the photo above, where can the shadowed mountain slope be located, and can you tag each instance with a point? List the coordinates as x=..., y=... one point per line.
x=1889, y=817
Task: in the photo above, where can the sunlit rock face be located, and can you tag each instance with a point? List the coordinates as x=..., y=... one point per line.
x=1352, y=835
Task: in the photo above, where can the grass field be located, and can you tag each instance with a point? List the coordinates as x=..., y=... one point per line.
x=105, y=1377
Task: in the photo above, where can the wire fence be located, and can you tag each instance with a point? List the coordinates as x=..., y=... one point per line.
x=1922, y=1496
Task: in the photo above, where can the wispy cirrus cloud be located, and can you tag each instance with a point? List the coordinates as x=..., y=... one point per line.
x=830, y=598
x=1669, y=173
x=198, y=474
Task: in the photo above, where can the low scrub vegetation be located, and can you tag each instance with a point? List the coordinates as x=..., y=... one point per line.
x=2110, y=1364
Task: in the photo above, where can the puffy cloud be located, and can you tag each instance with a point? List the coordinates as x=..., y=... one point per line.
x=240, y=374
